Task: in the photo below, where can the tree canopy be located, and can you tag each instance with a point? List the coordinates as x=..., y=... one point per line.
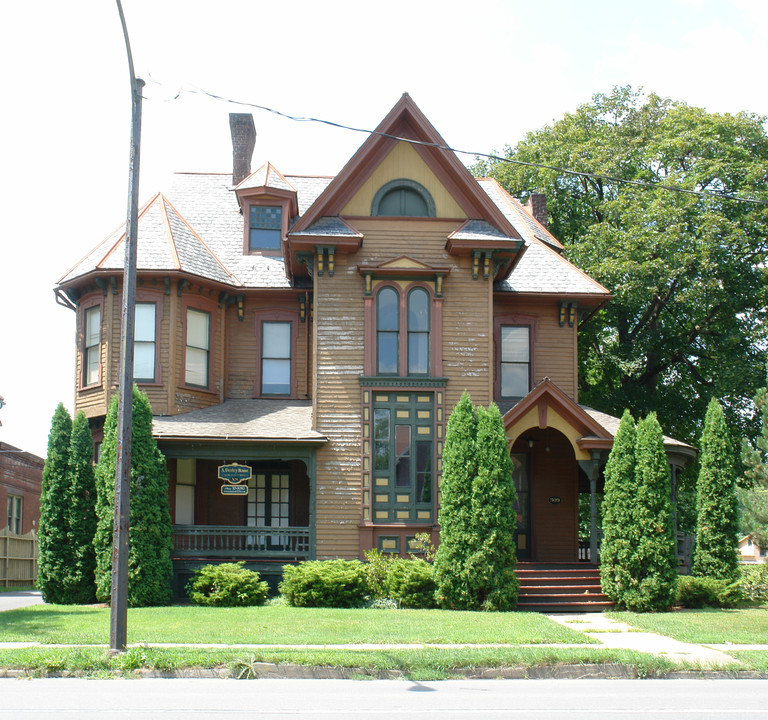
x=687, y=271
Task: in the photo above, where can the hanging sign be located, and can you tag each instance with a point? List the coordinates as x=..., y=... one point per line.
x=234, y=473
x=234, y=490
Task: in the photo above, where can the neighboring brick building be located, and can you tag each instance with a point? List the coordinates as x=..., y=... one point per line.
x=21, y=475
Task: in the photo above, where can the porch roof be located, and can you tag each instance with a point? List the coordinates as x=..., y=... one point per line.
x=264, y=420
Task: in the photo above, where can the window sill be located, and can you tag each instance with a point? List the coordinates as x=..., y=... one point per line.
x=197, y=388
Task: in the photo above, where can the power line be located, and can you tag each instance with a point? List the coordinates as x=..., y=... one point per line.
x=490, y=156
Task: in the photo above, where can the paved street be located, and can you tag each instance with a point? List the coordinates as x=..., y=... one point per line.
x=19, y=598
x=376, y=699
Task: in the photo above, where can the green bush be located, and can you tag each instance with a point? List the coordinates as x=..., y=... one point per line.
x=327, y=583
x=753, y=582
x=227, y=585
x=377, y=566
x=411, y=583
x=699, y=592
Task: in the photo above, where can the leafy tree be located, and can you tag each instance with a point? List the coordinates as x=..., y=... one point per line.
x=81, y=516
x=653, y=562
x=754, y=498
x=620, y=528
x=687, y=271
x=456, y=530
x=491, y=565
x=716, y=523
x=54, y=556
x=149, y=563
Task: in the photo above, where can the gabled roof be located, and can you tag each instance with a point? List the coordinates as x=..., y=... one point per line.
x=406, y=121
x=165, y=242
x=267, y=176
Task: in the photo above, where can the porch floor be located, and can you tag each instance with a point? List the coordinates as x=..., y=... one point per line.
x=560, y=587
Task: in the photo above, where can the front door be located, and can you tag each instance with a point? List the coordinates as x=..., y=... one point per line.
x=269, y=504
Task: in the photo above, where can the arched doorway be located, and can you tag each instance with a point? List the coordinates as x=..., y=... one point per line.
x=546, y=475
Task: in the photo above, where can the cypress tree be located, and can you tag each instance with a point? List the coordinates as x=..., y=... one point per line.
x=456, y=532
x=81, y=494
x=54, y=558
x=619, y=523
x=149, y=563
x=654, y=567
x=716, y=508
x=491, y=565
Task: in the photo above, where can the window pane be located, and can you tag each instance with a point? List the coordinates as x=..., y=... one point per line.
x=264, y=239
x=144, y=327
x=418, y=310
x=387, y=353
x=196, y=367
x=92, y=365
x=381, y=439
x=388, y=310
x=92, y=326
x=514, y=344
x=197, y=328
x=265, y=228
x=276, y=377
x=144, y=361
x=265, y=217
x=418, y=353
x=276, y=340
x=514, y=380
x=402, y=455
x=424, y=471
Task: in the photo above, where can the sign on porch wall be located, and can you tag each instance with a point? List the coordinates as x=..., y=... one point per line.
x=233, y=475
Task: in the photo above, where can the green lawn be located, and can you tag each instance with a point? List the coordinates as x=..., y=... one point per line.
x=704, y=626
x=281, y=624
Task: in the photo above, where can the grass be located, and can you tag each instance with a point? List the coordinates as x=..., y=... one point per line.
x=279, y=624
x=752, y=659
x=749, y=626
x=426, y=664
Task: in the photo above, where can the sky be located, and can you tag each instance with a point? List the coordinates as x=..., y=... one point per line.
x=485, y=73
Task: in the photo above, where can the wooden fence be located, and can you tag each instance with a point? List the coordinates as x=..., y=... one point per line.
x=18, y=559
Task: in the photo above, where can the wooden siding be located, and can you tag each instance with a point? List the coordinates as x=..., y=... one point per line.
x=403, y=162
x=554, y=347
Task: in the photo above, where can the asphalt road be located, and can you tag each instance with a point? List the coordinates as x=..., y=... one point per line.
x=377, y=699
x=14, y=599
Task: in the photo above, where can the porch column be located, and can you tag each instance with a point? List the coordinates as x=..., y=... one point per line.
x=593, y=507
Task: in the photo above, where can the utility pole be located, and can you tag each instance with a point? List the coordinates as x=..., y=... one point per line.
x=119, y=598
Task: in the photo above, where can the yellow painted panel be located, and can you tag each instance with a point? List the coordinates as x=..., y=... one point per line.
x=422, y=430
x=558, y=422
x=366, y=447
x=439, y=398
x=381, y=498
x=423, y=514
x=424, y=398
x=403, y=514
x=439, y=431
x=366, y=514
x=403, y=162
x=366, y=497
x=382, y=481
x=389, y=545
x=439, y=414
x=403, y=398
x=403, y=414
x=439, y=448
x=382, y=515
x=366, y=429
x=414, y=545
x=366, y=463
x=423, y=414
x=382, y=398
x=403, y=498
x=366, y=397
x=366, y=414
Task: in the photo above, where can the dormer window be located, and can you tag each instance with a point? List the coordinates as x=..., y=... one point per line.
x=403, y=198
x=265, y=227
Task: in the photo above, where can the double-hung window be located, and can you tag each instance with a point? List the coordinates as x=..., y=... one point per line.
x=264, y=227
x=197, y=357
x=144, y=342
x=276, y=358
x=402, y=332
x=15, y=507
x=91, y=345
x=515, y=354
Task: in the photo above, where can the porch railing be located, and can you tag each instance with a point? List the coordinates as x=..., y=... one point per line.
x=285, y=543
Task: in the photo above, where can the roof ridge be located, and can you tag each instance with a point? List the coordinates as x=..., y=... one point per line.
x=121, y=238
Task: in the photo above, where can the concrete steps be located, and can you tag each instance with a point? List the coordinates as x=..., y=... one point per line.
x=560, y=587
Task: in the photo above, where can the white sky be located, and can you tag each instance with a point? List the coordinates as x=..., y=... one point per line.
x=484, y=73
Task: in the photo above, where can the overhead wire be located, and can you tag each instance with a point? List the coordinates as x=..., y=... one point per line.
x=490, y=156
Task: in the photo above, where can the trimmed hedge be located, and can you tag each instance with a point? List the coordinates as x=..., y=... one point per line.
x=227, y=585
x=411, y=583
x=699, y=592
x=753, y=582
x=326, y=583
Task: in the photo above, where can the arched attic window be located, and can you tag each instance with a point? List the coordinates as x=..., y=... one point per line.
x=403, y=198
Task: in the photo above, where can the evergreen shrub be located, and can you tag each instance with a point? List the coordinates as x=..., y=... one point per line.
x=753, y=582
x=227, y=585
x=377, y=566
x=699, y=592
x=411, y=583
x=325, y=583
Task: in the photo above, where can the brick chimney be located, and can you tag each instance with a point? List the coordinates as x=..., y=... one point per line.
x=243, y=141
x=537, y=207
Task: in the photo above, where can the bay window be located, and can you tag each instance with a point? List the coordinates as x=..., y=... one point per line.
x=197, y=357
